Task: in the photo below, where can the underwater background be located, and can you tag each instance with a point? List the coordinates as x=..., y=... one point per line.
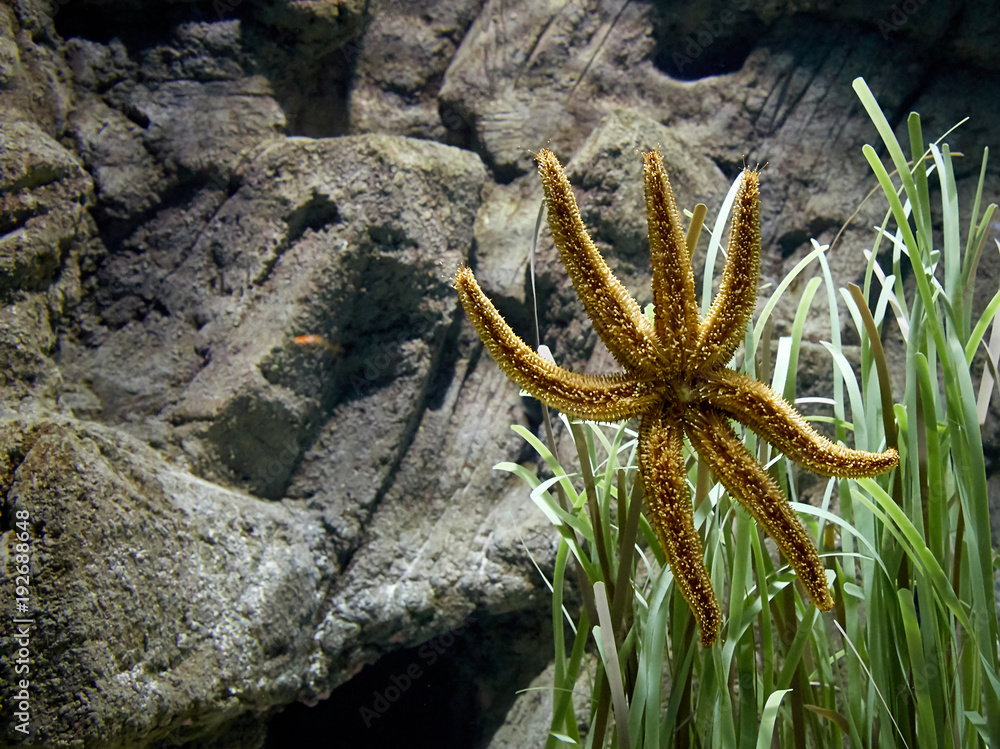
x=243, y=414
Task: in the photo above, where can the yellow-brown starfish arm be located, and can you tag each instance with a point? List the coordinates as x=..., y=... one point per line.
x=724, y=325
x=615, y=314
x=772, y=417
x=601, y=398
x=677, y=319
x=661, y=462
x=743, y=477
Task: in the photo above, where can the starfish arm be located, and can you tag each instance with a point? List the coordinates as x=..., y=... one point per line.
x=677, y=319
x=768, y=414
x=723, y=327
x=661, y=459
x=743, y=477
x=601, y=398
x=615, y=314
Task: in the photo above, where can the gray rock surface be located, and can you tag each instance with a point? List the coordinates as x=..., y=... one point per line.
x=240, y=404
x=163, y=592
x=530, y=718
x=43, y=192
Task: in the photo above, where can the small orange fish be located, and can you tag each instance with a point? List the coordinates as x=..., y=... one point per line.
x=316, y=340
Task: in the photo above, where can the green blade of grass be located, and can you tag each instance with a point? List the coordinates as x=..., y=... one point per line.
x=889, y=139
x=975, y=338
x=655, y=638
x=885, y=384
x=769, y=717
x=926, y=729
x=769, y=306
x=604, y=635
x=715, y=244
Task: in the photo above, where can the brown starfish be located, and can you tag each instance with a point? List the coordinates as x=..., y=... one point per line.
x=676, y=379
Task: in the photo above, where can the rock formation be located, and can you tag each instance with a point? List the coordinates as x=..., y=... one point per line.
x=251, y=431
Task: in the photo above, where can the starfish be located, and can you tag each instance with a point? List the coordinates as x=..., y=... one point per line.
x=676, y=380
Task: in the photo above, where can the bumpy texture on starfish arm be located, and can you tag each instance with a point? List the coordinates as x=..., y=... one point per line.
x=601, y=398
x=661, y=460
x=673, y=279
x=617, y=317
x=722, y=329
x=676, y=380
x=757, y=406
x=743, y=477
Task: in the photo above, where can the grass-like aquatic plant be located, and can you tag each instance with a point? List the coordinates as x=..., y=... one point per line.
x=908, y=657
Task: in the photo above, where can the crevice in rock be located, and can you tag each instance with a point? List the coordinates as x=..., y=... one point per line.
x=15, y=218
x=444, y=374
x=717, y=45
x=451, y=692
x=310, y=70
x=136, y=117
x=10, y=463
x=114, y=232
x=460, y=130
x=791, y=240
x=730, y=168
x=140, y=26
x=317, y=214
x=407, y=435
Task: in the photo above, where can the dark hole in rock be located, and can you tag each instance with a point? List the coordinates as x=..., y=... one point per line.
x=317, y=214
x=692, y=45
x=139, y=26
x=730, y=168
x=450, y=692
x=790, y=241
